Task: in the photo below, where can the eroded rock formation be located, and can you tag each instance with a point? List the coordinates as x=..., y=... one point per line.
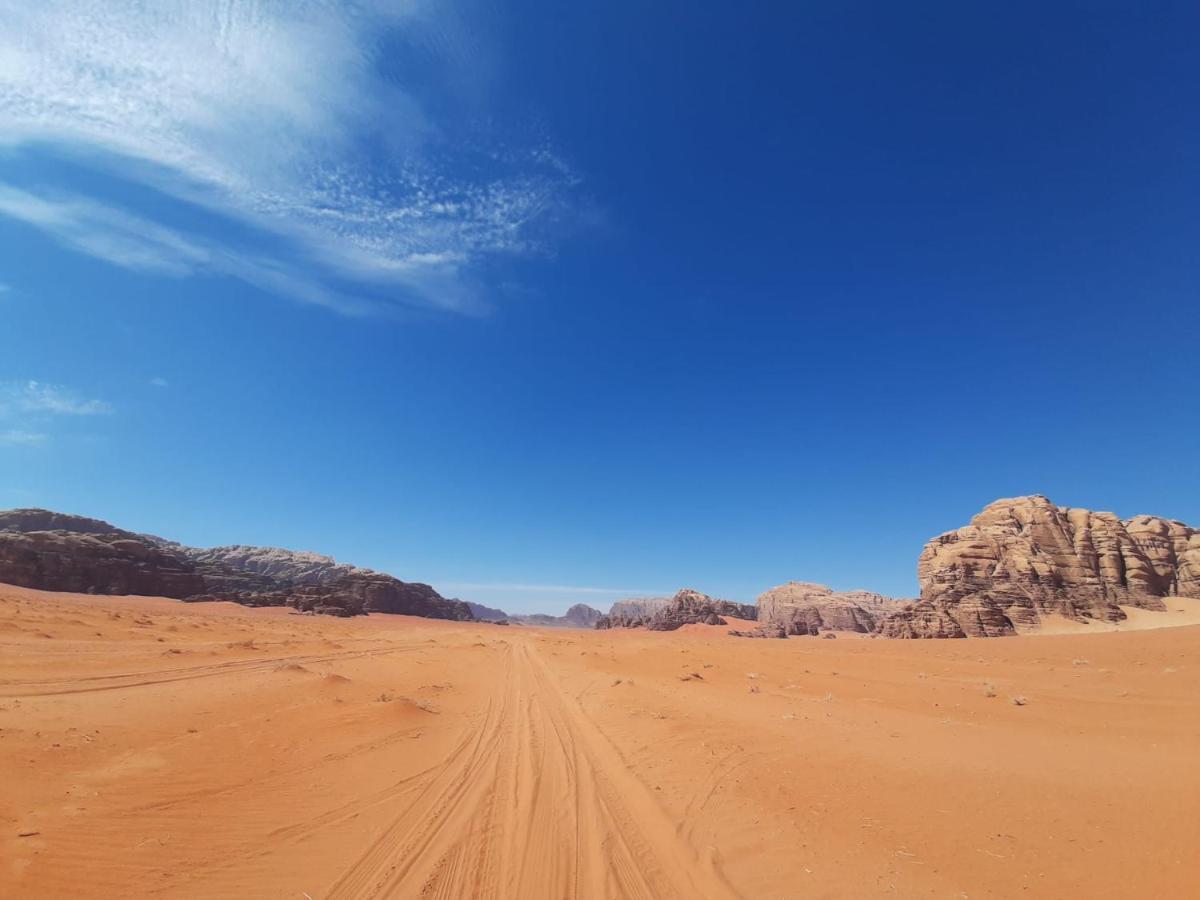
x=803, y=608
x=687, y=607
x=634, y=612
x=1025, y=558
x=115, y=562
x=240, y=567
x=58, y=552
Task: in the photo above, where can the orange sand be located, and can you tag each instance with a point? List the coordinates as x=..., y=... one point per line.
x=153, y=748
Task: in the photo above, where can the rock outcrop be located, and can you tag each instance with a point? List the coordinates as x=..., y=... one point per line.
x=1025, y=558
x=633, y=612
x=244, y=568
x=687, y=607
x=582, y=616
x=770, y=630
x=803, y=608
x=578, y=616
x=486, y=613
x=57, y=552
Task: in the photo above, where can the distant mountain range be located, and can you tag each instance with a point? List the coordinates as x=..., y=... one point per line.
x=59, y=552
x=1018, y=561
x=578, y=616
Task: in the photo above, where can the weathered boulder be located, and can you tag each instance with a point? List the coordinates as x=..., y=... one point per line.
x=769, y=630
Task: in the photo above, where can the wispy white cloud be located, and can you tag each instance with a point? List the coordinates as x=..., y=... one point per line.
x=159, y=382
x=134, y=242
x=16, y=437
x=104, y=232
x=37, y=397
x=277, y=115
x=28, y=407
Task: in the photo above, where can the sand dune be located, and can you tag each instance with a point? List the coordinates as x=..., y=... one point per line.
x=153, y=748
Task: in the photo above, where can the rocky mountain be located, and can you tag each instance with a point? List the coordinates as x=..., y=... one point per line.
x=634, y=612
x=486, y=613
x=59, y=552
x=578, y=616
x=582, y=616
x=244, y=568
x=685, y=608
x=51, y=551
x=1024, y=558
x=804, y=608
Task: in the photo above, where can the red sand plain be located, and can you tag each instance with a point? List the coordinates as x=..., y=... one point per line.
x=150, y=748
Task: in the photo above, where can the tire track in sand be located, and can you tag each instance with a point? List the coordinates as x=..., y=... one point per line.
x=123, y=681
x=537, y=803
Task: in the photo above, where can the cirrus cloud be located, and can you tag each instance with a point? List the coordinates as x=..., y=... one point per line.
x=283, y=117
x=27, y=409
x=38, y=397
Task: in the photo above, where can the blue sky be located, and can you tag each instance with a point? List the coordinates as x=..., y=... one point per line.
x=563, y=302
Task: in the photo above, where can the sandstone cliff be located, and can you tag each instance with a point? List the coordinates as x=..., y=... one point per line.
x=687, y=607
x=804, y=608
x=248, y=568
x=93, y=564
x=58, y=552
x=633, y=612
x=1024, y=558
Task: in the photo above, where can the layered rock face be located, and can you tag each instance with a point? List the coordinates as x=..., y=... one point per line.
x=27, y=520
x=804, y=608
x=115, y=562
x=687, y=607
x=243, y=567
x=57, y=552
x=1024, y=558
x=352, y=595
x=634, y=612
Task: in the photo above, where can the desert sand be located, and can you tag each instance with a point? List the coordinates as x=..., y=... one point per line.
x=151, y=748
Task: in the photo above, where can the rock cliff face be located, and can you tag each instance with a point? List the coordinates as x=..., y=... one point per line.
x=1024, y=558
x=803, y=608
x=687, y=607
x=634, y=612
x=94, y=563
x=578, y=616
x=57, y=552
x=240, y=567
x=486, y=613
